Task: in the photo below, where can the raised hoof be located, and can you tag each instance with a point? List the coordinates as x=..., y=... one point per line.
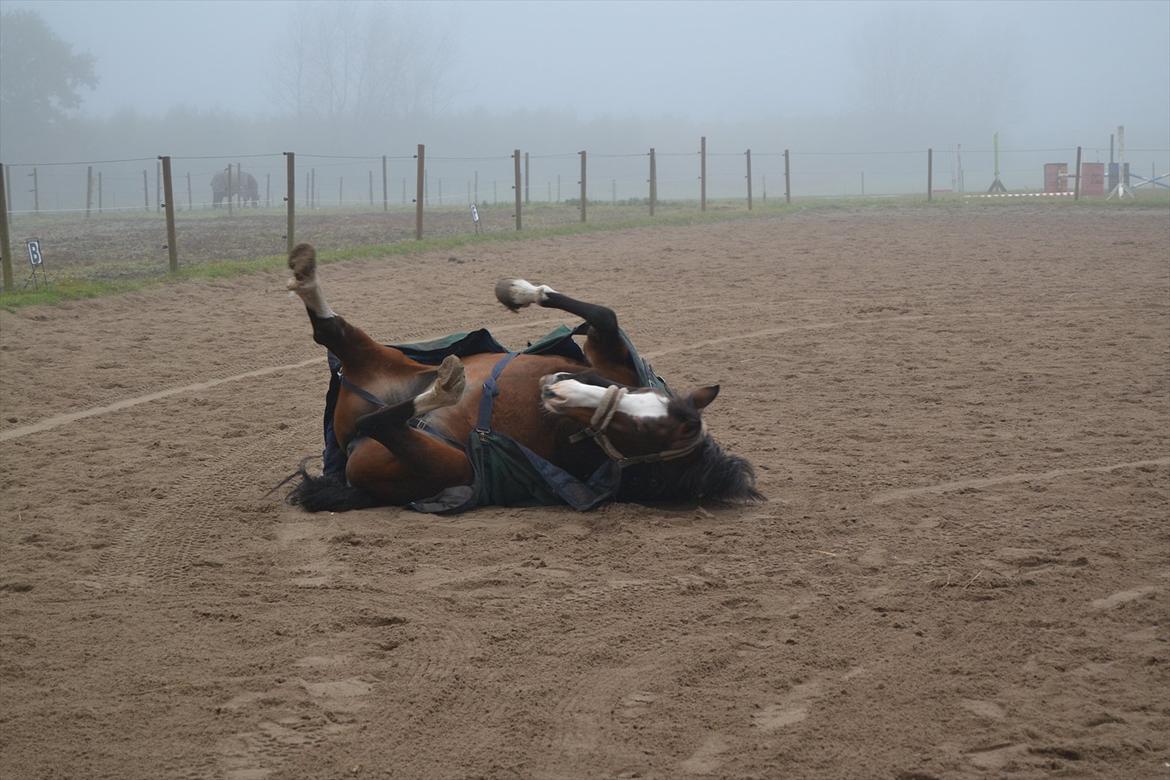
x=450, y=382
x=447, y=389
x=517, y=293
x=303, y=262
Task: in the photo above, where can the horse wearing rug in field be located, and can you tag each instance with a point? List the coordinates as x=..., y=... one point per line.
x=449, y=425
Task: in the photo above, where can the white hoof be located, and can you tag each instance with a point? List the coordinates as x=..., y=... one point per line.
x=303, y=262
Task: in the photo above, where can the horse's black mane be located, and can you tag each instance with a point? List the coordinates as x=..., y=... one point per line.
x=711, y=474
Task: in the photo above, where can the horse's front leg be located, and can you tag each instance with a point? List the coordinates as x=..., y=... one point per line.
x=604, y=345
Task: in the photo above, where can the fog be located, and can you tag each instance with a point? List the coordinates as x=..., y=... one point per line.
x=482, y=78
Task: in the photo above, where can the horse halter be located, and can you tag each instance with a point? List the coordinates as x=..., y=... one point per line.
x=603, y=416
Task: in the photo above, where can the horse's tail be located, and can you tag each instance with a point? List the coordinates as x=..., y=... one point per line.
x=327, y=493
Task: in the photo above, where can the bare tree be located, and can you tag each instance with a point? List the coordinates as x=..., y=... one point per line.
x=347, y=60
x=919, y=65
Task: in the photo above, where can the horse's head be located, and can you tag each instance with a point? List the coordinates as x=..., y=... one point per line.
x=647, y=427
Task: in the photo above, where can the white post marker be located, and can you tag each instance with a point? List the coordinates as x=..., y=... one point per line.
x=475, y=217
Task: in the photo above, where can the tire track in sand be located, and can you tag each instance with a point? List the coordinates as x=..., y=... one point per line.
x=981, y=482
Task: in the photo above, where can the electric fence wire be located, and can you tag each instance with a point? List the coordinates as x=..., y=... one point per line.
x=370, y=157
x=81, y=162
x=227, y=156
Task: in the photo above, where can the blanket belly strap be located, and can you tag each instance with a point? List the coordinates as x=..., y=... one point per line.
x=491, y=389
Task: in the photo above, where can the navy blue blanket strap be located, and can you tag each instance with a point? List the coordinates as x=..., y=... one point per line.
x=361, y=391
x=491, y=389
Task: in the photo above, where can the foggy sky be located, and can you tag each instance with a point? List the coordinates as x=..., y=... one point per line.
x=1049, y=70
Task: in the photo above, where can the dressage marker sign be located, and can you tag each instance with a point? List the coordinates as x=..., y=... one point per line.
x=36, y=262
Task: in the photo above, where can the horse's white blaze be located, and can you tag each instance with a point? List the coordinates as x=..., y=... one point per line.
x=523, y=293
x=571, y=393
x=643, y=405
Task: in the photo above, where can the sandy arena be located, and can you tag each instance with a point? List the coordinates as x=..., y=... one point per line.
x=960, y=416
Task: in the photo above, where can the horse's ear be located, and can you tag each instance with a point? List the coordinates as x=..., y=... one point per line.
x=703, y=396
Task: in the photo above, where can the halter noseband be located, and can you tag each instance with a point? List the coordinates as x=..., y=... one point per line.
x=603, y=416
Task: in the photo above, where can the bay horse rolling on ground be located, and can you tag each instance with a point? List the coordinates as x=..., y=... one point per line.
x=476, y=425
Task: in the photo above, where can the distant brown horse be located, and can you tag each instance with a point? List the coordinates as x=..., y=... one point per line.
x=551, y=425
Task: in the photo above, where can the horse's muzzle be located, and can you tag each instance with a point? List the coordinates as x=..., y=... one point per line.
x=548, y=397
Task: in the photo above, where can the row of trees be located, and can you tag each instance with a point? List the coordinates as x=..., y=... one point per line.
x=357, y=78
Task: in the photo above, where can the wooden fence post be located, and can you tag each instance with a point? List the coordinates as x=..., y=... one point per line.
x=516, y=187
x=169, y=205
x=99, y=192
x=787, y=180
x=703, y=173
x=385, y=192
x=418, y=198
x=239, y=187
x=653, y=182
x=749, y=178
x=340, y=191
x=37, y=190
x=145, y=193
x=290, y=197
x=88, y=189
x=230, y=196
x=1077, y=189
x=583, y=190
x=5, y=242
x=190, y=201
x=929, y=175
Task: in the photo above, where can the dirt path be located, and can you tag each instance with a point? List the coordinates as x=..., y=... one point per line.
x=961, y=419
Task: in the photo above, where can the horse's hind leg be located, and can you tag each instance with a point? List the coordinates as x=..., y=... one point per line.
x=413, y=465
x=604, y=346
x=347, y=342
x=384, y=372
